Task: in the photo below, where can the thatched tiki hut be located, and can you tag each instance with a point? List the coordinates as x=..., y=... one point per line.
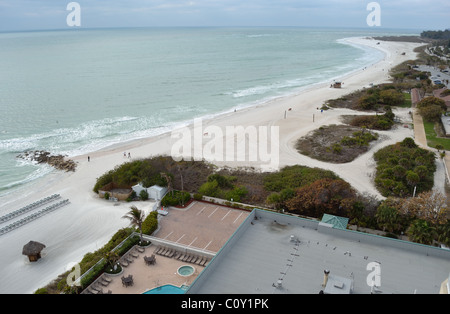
x=33, y=250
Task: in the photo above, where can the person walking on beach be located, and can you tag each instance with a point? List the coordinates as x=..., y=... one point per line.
x=129, y=155
x=89, y=158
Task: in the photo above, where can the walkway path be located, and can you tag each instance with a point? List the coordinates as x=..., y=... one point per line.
x=419, y=129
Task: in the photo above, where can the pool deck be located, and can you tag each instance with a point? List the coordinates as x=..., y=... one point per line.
x=147, y=277
x=201, y=226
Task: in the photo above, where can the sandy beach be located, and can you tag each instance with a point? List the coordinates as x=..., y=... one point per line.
x=87, y=223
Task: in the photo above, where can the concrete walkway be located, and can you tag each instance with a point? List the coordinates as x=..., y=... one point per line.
x=419, y=130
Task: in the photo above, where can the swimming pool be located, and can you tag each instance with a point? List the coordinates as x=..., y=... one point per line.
x=168, y=289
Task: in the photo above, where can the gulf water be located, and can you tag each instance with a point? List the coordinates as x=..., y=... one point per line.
x=75, y=91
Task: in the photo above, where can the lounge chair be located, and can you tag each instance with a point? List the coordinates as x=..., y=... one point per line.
x=186, y=258
x=96, y=289
x=204, y=262
x=103, y=283
x=123, y=264
x=129, y=260
x=105, y=278
x=169, y=253
x=133, y=254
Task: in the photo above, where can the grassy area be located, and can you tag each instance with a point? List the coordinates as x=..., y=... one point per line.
x=432, y=137
x=407, y=103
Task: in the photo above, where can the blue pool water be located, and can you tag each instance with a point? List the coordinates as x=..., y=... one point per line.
x=167, y=289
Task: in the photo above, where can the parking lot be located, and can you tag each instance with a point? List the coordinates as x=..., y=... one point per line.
x=436, y=74
x=201, y=225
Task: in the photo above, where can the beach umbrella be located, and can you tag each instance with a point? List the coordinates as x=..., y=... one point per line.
x=33, y=250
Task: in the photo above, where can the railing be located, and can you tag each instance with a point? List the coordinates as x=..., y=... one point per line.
x=78, y=280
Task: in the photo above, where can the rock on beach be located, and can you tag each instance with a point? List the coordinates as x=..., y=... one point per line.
x=57, y=161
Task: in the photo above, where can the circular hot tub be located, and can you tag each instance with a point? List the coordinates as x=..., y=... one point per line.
x=186, y=270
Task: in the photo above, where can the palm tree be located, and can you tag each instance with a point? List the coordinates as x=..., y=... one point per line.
x=388, y=218
x=169, y=182
x=136, y=217
x=111, y=258
x=443, y=231
x=421, y=231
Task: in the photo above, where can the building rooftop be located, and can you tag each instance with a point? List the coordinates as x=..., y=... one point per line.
x=273, y=253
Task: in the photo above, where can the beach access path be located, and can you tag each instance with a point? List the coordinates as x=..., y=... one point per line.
x=88, y=222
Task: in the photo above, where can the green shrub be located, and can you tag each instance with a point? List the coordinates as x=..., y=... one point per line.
x=143, y=195
x=431, y=113
x=236, y=194
x=150, y=223
x=176, y=198
x=294, y=177
x=223, y=182
x=337, y=149
x=198, y=197
x=403, y=166
x=391, y=97
x=210, y=188
x=41, y=291
x=103, y=180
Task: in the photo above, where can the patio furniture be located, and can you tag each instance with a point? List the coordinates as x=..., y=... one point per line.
x=150, y=260
x=103, y=283
x=105, y=278
x=127, y=281
x=96, y=289
x=158, y=249
x=129, y=260
x=133, y=254
x=123, y=263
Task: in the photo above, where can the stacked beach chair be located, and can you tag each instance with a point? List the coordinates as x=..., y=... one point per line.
x=184, y=257
x=15, y=214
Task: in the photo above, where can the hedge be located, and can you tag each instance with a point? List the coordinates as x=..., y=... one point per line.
x=150, y=224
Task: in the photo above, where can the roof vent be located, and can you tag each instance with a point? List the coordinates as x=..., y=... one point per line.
x=325, y=277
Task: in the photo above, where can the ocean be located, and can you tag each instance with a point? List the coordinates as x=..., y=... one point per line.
x=75, y=91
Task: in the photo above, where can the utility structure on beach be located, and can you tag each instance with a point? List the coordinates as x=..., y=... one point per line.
x=33, y=250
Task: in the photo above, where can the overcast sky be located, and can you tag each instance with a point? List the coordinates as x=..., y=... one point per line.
x=52, y=14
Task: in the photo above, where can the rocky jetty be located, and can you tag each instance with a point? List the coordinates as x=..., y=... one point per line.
x=57, y=161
